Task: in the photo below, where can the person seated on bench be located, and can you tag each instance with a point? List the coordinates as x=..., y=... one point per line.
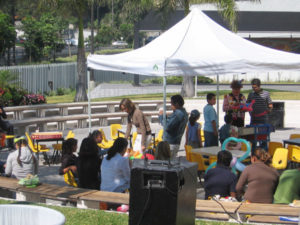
x=7, y=127
x=288, y=188
x=220, y=180
x=232, y=145
x=115, y=169
x=163, y=151
x=262, y=179
x=89, y=162
x=21, y=162
x=68, y=159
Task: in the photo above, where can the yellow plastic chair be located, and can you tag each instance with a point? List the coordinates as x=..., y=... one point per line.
x=188, y=150
x=105, y=142
x=203, y=163
x=70, y=135
x=202, y=136
x=159, y=137
x=212, y=159
x=70, y=178
x=294, y=153
x=273, y=145
x=244, y=146
x=114, y=131
x=134, y=135
x=293, y=136
x=38, y=148
x=280, y=158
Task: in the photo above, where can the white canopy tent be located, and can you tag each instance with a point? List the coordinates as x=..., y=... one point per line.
x=196, y=46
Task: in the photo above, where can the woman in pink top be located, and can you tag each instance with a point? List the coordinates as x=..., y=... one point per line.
x=232, y=103
x=261, y=179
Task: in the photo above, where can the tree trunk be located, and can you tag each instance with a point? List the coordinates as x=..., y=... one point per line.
x=136, y=44
x=81, y=66
x=188, y=88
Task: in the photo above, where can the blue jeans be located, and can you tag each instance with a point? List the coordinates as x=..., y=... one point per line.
x=210, y=139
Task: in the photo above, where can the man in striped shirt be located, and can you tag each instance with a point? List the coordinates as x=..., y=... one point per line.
x=263, y=103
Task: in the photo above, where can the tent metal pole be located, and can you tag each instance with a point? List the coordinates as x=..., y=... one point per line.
x=165, y=102
x=89, y=99
x=196, y=81
x=218, y=95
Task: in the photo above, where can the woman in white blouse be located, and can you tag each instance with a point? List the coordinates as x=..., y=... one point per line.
x=115, y=169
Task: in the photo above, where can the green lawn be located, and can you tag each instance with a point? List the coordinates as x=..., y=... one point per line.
x=76, y=216
x=275, y=95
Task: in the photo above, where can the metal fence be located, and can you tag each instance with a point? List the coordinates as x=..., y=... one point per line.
x=40, y=78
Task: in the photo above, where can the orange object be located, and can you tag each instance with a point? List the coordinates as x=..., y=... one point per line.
x=46, y=135
x=2, y=140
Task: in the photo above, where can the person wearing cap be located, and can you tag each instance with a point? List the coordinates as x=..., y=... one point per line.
x=22, y=161
x=193, y=130
x=232, y=102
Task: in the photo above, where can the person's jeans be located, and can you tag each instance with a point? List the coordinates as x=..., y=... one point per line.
x=210, y=139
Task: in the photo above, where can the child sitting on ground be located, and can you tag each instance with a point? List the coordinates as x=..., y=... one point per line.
x=224, y=130
x=220, y=180
x=193, y=130
x=232, y=145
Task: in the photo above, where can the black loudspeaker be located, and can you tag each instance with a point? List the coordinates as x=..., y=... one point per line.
x=162, y=193
x=276, y=117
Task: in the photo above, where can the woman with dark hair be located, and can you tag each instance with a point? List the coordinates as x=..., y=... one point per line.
x=232, y=102
x=21, y=162
x=68, y=159
x=220, y=180
x=136, y=117
x=261, y=179
x=163, y=151
x=89, y=163
x=115, y=169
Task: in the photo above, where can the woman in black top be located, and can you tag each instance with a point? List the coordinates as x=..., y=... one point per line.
x=89, y=163
x=68, y=159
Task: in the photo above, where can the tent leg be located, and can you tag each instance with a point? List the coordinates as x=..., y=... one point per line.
x=165, y=101
x=89, y=99
x=218, y=99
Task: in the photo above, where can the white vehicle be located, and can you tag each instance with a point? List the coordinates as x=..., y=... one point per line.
x=119, y=44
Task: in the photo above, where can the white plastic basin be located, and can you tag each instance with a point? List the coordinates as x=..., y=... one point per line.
x=14, y=214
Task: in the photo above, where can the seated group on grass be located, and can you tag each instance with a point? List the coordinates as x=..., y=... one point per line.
x=258, y=183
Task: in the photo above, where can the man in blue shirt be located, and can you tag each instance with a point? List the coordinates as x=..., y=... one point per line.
x=210, y=122
x=175, y=124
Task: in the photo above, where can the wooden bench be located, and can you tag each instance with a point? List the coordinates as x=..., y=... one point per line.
x=205, y=209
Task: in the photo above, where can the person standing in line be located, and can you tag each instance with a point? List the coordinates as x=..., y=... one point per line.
x=136, y=117
x=261, y=108
x=7, y=127
x=210, y=122
x=175, y=124
x=193, y=130
x=232, y=102
x=262, y=105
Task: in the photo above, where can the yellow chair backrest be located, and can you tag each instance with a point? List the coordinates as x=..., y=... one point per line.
x=212, y=159
x=160, y=135
x=70, y=135
x=294, y=153
x=280, y=158
x=70, y=179
x=202, y=163
x=134, y=134
x=202, y=136
x=30, y=143
x=103, y=135
x=114, y=131
x=293, y=136
x=188, y=150
x=244, y=146
x=273, y=145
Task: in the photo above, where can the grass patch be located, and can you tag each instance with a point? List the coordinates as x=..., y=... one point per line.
x=275, y=95
x=75, y=216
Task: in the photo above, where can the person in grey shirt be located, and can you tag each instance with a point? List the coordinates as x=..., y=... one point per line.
x=21, y=162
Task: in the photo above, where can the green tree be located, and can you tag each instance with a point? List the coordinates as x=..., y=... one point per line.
x=105, y=35
x=7, y=34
